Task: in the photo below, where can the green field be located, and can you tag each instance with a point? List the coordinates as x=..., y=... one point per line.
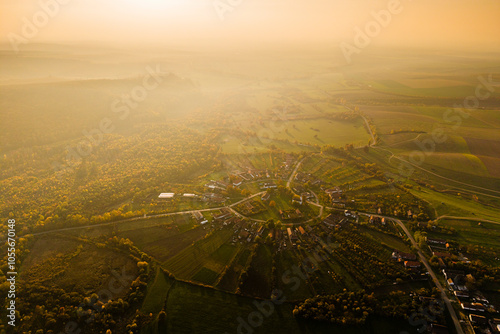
x=196, y=309
x=189, y=261
x=156, y=293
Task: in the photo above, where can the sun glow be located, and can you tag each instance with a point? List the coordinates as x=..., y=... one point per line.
x=157, y=6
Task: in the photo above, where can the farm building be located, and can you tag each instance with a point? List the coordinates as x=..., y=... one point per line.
x=412, y=264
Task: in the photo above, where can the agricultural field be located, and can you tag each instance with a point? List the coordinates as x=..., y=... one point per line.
x=294, y=187
x=188, y=262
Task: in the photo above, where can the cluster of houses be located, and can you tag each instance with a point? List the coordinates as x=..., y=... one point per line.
x=377, y=220
x=307, y=177
x=200, y=219
x=248, y=208
x=335, y=221
x=404, y=257
x=251, y=175
x=291, y=214
x=474, y=303
x=409, y=260
x=246, y=231
x=213, y=184
x=214, y=198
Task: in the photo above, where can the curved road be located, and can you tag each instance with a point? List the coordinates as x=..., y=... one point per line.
x=432, y=173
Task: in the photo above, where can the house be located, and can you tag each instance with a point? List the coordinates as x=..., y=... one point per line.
x=334, y=193
x=266, y=196
x=222, y=184
x=478, y=319
x=408, y=256
x=301, y=230
x=225, y=213
x=397, y=255
x=448, y=273
x=333, y=220
x=433, y=241
x=213, y=198
x=260, y=230
x=442, y=255
x=166, y=195
x=243, y=234
x=409, y=214
x=461, y=294
x=412, y=264
x=199, y=217
x=476, y=307
x=299, y=199
x=350, y=214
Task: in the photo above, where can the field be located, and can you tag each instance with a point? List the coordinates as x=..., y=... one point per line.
x=57, y=262
x=157, y=293
x=163, y=242
x=84, y=217
x=188, y=262
x=191, y=309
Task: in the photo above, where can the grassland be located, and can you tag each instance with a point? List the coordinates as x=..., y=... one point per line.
x=157, y=292
x=473, y=232
x=455, y=205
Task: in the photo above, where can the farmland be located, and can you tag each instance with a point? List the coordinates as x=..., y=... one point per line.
x=281, y=185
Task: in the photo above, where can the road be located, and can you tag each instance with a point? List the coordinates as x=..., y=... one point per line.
x=437, y=175
x=469, y=218
x=444, y=296
x=290, y=179
x=161, y=215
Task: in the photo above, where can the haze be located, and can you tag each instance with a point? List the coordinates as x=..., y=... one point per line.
x=462, y=24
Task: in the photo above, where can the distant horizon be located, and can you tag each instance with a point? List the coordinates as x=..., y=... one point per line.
x=206, y=24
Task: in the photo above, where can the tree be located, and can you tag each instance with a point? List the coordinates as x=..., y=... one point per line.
x=272, y=204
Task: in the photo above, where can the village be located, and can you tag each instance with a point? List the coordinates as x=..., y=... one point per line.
x=295, y=227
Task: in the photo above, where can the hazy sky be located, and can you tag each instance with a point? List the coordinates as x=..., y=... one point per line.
x=461, y=23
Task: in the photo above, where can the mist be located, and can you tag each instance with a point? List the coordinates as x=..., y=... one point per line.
x=221, y=24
